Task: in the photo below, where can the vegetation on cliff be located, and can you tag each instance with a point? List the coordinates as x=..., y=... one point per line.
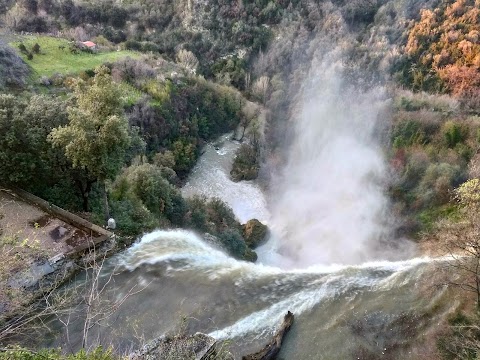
x=443, y=51
x=130, y=131
x=97, y=154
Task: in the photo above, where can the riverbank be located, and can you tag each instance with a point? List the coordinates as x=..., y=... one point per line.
x=43, y=246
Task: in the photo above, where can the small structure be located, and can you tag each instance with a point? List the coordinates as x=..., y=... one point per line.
x=89, y=45
x=111, y=224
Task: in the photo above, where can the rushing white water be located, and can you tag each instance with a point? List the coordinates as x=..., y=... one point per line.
x=184, y=251
x=245, y=302
x=175, y=274
x=329, y=217
x=211, y=177
x=330, y=204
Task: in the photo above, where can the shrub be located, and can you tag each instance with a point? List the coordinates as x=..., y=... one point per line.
x=197, y=213
x=218, y=219
x=133, y=45
x=149, y=197
x=36, y=48
x=245, y=165
x=185, y=155
x=18, y=353
x=234, y=242
x=438, y=181
x=22, y=48
x=407, y=133
x=178, y=209
x=416, y=165
x=147, y=183
x=221, y=214
x=454, y=133
x=132, y=217
x=165, y=158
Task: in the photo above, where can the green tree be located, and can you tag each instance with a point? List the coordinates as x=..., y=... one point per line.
x=233, y=242
x=145, y=189
x=25, y=155
x=27, y=159
x=185, y=154
x=97, y=136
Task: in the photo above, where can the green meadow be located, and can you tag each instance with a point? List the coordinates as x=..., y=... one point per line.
x=55, y=56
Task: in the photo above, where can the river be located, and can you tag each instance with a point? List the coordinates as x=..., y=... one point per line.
x=356, y=292
x=363, y=311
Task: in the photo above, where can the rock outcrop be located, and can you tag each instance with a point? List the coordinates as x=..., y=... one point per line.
x=254, y=233
x=195, y=347
x=250, y=255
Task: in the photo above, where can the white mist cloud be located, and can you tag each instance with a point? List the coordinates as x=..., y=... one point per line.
x=330, y=205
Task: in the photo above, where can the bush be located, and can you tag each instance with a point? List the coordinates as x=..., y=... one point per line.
x=165, y=158
x=132, y=217
x=36, y=48
x=147, y=184
x=221, y=214
x=234, y=242
x=217, y=218
x=406, y=134
x=22, y=48
x=438, y=182
x=133, y=45
x=454, y=133
x=197, y=214
x=245, y=165
x=185, y=155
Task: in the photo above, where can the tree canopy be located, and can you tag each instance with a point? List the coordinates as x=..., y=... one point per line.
x=96, y=137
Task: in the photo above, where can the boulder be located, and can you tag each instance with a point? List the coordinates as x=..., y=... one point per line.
x=250, y=255
x=254, y=233
x=195, y=347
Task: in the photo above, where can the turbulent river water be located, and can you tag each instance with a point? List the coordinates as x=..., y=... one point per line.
x=341, y=311
x=329, y=218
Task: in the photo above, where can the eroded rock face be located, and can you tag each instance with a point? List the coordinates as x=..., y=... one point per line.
x=255, y=233
x=195, y=347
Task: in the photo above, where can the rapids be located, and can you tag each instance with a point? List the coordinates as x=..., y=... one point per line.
x=210, y=177
x=341, y=311
x=329, y=220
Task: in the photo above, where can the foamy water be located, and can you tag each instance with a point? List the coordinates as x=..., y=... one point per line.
x=211, y=177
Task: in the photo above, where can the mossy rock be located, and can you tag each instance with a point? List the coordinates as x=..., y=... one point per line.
x=250, y=255
x=255, y=233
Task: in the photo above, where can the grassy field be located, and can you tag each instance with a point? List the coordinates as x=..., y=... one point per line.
x=53, y=59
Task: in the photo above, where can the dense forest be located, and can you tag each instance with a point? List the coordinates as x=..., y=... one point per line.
x=115, y=131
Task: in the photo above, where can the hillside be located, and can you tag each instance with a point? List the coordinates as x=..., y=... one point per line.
x=56, y=56
x=117, y=130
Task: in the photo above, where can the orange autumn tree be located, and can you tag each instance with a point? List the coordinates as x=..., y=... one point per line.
x=445, y=43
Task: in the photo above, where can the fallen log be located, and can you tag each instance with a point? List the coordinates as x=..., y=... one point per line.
x=271, y=350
